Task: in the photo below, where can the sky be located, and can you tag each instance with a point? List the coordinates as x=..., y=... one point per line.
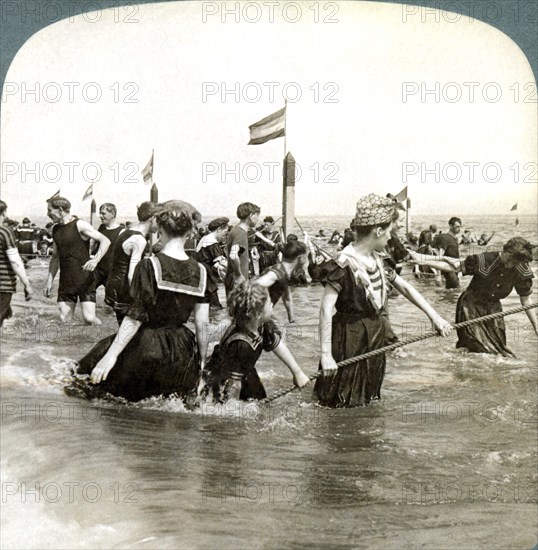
x=378, y=99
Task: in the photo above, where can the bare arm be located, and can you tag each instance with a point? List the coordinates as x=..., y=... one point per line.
x=489, y=239
x=531, y=313
x=442, y=263
x=201, y=321
x=409, y=292
x=18, y=267
x=128, y=328
x=53, y=269
x=86, y=230
x=233, y=261
x=284, y=354
x=288, y=304
x=328, y=364
x=134, y=246
x=264, y=239
x=267, y=280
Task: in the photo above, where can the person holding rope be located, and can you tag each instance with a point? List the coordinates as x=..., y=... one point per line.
x=495, y=275
x=231, y=371
x=357, y=285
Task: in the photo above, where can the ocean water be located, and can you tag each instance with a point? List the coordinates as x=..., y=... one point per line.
x=446, y=459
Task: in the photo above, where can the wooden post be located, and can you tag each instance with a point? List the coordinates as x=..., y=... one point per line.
x=153, y=197
x=288, y=198
x=93, y=209
x=154, y=193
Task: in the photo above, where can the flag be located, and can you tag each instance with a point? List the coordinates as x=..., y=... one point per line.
x=57, y=194
x=147, y=173
x=513, y=207
x=89, y=193
x=402, y=195
x=271, y=127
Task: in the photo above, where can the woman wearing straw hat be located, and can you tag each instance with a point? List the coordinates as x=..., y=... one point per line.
x=357, y=285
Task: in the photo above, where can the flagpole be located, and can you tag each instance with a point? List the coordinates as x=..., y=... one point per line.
x=407, y=208
x=285, y=128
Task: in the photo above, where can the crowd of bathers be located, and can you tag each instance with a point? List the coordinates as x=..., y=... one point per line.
x=163, y=270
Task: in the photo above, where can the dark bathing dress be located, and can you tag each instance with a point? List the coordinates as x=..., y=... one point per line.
x=102, y=270
x=207, y=256
x=358, y=326
x=162, y=357
x=117, y=290
x=73, y=252
x=492, y=281
x=280, y=286
x=235, y=357
x=269, y=255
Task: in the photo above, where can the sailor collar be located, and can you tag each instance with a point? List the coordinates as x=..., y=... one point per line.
x=181, y=288
x=485, y=270
x=347, y=258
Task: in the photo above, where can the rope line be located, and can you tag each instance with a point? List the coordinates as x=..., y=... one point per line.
x=396, y=345
x=323, y=251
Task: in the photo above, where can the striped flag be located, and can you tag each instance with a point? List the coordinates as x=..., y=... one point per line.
x=271, y=127
x=88, y=193
x=513, y=207
x=147, y=173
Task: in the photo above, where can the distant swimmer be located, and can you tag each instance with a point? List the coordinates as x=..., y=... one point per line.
x=467, y=238
x=484, y=239
x=447, y=245
x=27, y=238
x=335, y=237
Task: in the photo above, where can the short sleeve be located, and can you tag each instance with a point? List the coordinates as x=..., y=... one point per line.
x=524, y=287
x=469, y=265
x=332, y=274
x=271, y=336
x=143, y=291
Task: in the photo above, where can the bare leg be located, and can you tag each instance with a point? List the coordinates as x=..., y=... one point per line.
x=88, y=313
x=67, y=311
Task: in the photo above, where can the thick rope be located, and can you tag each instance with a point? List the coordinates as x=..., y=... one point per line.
x=323, y=252
x=396, y=345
